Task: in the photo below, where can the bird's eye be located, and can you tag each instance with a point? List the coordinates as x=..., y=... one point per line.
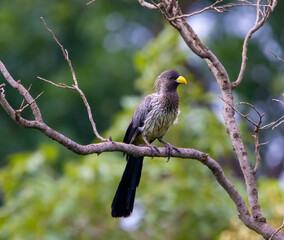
x=171, y=77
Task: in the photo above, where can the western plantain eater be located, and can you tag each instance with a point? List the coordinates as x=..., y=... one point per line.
x=153, y=117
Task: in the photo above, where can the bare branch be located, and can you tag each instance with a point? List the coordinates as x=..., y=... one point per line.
x=143, y=3
x=22, y=108
x=22, y=104
x=211, y=7
x=64, y=51
x=274, y=124
x=241, y=114
x=74, y=87
x=218, y=9
x=257, y=222
x=278, y=124
x=257, y=128
x=171, y=10
x=278, y=229
x=277, y=100
x=255, y=136
x=261, y=18
x=91, y=2
x=61, y=85
x=26, y=95
x=221, y=75
x=278, y=58
x=279, y=121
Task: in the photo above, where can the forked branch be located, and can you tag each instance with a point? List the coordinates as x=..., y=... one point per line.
x=75, y=86
x=262, y=14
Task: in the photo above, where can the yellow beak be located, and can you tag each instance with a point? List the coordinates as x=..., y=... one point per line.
x=181, y=80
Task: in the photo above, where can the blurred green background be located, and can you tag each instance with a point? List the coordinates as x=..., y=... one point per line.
x=117, y=49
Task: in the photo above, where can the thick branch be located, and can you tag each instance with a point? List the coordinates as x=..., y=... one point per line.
x=223, y=80
x=257, y=223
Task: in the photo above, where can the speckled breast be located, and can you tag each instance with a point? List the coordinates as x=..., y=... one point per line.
x=161, y=117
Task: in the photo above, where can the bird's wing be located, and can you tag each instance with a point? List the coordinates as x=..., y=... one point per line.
x=137, y=122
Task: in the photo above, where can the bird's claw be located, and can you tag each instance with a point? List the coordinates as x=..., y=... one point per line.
x=153, y=149
x=169, y=150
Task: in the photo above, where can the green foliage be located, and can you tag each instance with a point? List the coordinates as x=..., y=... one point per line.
x=50, y=194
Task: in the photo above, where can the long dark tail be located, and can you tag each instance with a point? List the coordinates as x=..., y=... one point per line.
x=122, y=204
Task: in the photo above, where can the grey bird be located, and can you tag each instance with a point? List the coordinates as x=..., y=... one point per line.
x=151, y=120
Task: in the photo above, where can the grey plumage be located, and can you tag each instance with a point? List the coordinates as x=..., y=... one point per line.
x=151, y=120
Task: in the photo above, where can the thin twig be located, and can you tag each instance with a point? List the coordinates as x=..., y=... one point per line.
x=257, y=128
x=91, y=2
x=219, y=9
x=61, y=85
x=253, y=107
x=261, y=18
x=22, y=108
x=143, y=3
x=75, y=86
x=277, y=57
x=278, y=229
x=278, y=124
x=277, y=100
x=272, y=124
x=279, y=121
x=255, y=136
x=64, y=51
x=158, y=6
x=237, y=111
x=24, y=98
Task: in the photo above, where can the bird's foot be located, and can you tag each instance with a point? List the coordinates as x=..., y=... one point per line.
x=169, y=148
x=153, y=149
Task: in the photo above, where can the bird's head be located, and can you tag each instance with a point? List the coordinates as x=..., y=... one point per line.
x=169, y=81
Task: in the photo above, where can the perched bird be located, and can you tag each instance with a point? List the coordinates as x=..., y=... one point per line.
x=151, y=120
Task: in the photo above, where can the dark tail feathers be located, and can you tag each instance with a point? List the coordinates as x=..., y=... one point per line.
x=122, y=204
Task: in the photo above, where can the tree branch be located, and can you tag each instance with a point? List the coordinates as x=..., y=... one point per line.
x=172, y=12
x=218, y=8
x=118, y=146
x=75, y=86
x=257, y=222
x=278, y=58
x=257, y=128
x=261, y=17
x=21, y=89
x=272, y=236
x=143, y=3
x=88, y=3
